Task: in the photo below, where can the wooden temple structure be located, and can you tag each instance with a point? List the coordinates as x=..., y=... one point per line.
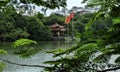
x=57, y=30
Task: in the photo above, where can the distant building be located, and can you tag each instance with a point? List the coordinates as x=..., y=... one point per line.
x=84, y=10
x=75, y=9
x=57, y=30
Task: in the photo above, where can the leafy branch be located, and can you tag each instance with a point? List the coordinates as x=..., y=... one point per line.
x=21, y=64
x=110, y=69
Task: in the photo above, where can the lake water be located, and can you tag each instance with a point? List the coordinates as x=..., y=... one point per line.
x=38, y=59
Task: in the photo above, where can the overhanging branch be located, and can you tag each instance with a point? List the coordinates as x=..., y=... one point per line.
x=22, y=64
x=110, y=69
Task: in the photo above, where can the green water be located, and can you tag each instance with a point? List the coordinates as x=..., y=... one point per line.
x=38, y=59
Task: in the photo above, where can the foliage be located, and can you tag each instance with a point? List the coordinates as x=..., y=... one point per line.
x=82, y=56
x=94, y=51
x=101, y=24
x=116, y=20
x=92, y=20
x=48, y=3
x=2, y=66
x=29, y=5
x=27, y=53
x=22, y=42
x=8, y=32
x=115, y=11
x=3, y=51
x=25, y=48
x=55, y=18
x=37, y=30
x=3, y=2
x=23, y=26
x=14, y=26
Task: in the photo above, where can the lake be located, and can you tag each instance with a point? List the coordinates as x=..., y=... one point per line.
x=38, y=59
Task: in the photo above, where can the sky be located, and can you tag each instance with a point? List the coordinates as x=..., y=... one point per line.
x=70, y=4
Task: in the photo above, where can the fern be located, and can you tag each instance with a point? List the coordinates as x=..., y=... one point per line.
x=56, y=51
x=88, y=47
x=3, y=51
x=23, y=42
x=92, y=20
x=29, y=53
x=25, y=50
x=73, y=48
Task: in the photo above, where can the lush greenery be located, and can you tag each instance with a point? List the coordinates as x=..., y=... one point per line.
x=99, y=38
x=99, y=42
x=14, y=24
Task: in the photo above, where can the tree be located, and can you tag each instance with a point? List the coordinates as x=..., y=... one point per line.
x=33, y=26
x=29, y=5
x=8, y=30
x=55, y=18
x=36, y=29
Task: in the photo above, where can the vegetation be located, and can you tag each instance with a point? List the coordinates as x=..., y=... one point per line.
x=97, y=45
x=25, y=52
x=14, y=26
x=99, y=37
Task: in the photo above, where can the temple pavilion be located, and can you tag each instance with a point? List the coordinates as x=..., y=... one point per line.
x=57, y=30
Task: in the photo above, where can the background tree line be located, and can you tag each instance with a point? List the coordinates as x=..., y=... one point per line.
x=14, y=26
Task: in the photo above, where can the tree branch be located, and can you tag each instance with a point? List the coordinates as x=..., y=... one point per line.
x=111, y=69
x=22, y=64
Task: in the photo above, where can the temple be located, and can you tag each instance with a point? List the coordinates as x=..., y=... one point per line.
x=57, y=30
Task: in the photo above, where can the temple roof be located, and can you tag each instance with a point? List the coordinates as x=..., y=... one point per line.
x=57, y=27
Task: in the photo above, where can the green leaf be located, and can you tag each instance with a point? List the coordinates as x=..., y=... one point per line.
x=117, y=60
x=88, y=47
x=56, y=51
x=27, y=53
x=23, y=42
x=3, y=51
x=102, y=58
x=116, y=20
x=4, y=2
x=73, y=48
x=92, y=20
x=2, y=66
